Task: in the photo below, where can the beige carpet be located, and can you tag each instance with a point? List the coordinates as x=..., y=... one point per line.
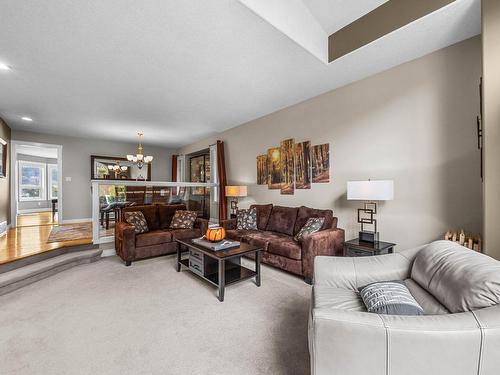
x=70, y=232
x=105, y=318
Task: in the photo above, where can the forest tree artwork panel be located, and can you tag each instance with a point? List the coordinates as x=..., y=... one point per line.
x=321, y=163
x=303, y=165
x=262, y=170
x=287, y=154
x=273, y=168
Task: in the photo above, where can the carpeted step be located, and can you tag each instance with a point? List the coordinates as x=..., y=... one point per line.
x=12, y=280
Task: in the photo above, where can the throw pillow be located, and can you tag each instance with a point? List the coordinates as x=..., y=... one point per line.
x=246, y=219
x=183, y=219
x=137, y=219
x=391, y=298
x=312, y=225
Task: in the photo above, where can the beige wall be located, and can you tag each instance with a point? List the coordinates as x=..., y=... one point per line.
x=414, y=124
x=5, y=182
x=491, y=125
x=76, y=164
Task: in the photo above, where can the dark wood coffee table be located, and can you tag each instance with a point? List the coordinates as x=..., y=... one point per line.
x=221, y=267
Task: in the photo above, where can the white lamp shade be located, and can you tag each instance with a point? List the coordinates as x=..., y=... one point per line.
x=236, y=191
x=130, y=157
x=371, y=190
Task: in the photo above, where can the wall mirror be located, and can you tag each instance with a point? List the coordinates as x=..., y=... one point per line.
x=116, y=168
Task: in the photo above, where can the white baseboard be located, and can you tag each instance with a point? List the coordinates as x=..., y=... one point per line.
x=74, y=221
x=108, y=253
x=33, y=210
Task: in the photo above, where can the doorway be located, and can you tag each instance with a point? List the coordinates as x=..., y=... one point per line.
x=36, y=197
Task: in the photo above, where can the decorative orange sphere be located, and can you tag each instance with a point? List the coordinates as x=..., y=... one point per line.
x=215, y=234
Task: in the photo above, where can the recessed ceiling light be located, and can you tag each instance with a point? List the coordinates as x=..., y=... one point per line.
x=4, y=66
x=25, y=118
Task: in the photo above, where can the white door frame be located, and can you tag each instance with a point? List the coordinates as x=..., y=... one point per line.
x=14, y=178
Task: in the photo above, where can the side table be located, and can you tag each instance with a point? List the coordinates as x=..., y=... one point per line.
x=357, y=248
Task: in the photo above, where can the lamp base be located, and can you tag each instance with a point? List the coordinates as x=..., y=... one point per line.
x=368, y=236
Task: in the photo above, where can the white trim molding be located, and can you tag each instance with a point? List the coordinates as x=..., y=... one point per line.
x=76, y=221
x=34, y=210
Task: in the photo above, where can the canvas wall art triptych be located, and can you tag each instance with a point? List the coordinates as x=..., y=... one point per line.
x=294, y=166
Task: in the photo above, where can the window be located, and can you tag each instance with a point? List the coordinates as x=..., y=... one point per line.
x=53, y=174
x=31, y=181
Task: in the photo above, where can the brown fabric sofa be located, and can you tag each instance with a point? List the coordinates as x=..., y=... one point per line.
x=276, y=226
x=160, y=240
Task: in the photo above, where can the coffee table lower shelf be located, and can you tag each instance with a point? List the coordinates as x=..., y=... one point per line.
x=233, y=274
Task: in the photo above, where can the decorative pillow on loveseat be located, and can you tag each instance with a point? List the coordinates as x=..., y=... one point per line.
x=137, y=219
x=183, y=219
x=312, y=225
x=391, y=298
x=246, y=219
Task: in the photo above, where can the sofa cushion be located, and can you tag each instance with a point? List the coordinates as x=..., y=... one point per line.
x=282, y=220
x=328, y=297
x=166, y=212
x=182, y=234
x=246, y=219
x=152, y=238
x=263, y=213
x=430, y=305
x=275, y=243
x=312, y=225
x=304, y=213
x=238, y=234
x=137, y=219
x=183, y=219
x=390, y=298
x=459, y=278
x=149, y=212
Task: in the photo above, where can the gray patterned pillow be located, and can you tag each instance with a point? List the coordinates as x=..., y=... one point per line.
x=137, y=219
x=247, y=219
x=312, y=225
x=391, y=298
x=183, y=219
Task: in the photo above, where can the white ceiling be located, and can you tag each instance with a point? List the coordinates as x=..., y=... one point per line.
x=182, y=70
x=333, y=15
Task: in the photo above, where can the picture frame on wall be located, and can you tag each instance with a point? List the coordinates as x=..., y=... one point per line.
x=320, y=155
x=287, y=153
x=3, y=158
x=273, y=168
x=262, y=170
x=303, y=165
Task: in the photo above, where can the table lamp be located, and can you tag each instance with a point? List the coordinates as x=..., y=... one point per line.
x=235, y=192
x=369, y=191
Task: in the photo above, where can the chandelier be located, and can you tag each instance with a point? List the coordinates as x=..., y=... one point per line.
x=139, y=159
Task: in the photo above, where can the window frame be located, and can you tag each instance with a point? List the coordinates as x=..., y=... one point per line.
x=42, y=186
x=50, y=167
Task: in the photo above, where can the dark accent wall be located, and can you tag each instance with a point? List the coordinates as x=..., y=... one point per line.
x=5, y=182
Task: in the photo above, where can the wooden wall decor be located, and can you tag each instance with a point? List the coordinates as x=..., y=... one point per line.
x=262, y=170
x=321, y=163
x=273, y=168
x=287, y=153
x=303, y=165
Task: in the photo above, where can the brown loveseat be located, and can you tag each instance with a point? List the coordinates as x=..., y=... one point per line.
x=160, y=239
x=276, y=227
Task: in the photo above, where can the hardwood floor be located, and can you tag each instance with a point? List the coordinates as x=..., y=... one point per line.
x=25, y=241
x=39, y=218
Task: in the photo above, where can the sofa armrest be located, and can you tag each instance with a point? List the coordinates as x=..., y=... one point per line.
x=434, y=344
x=325, y=242
x=354, y=272
x=228, y=224
x=202, y=224
x=125, y=241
